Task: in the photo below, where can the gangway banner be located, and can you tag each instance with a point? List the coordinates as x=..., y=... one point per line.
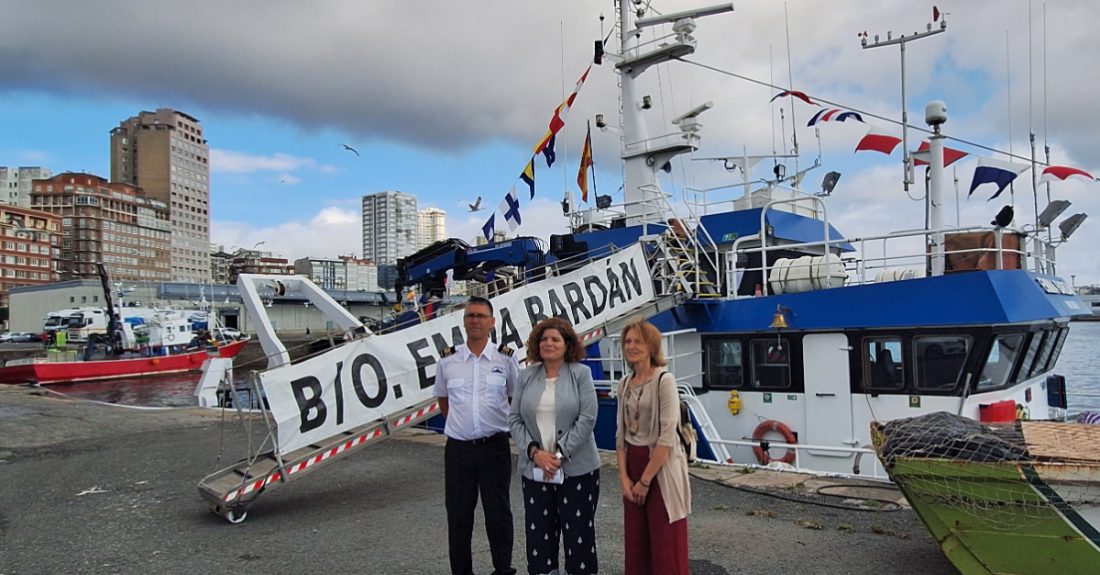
x=379, y=375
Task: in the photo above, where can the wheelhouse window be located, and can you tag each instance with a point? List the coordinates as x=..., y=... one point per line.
x=1001, y=358
x=883, y=367
x=724, y=365
x=1043, y=355
x=1029, y=356
x=1056, y=349
x=771, y=364
x=940, y=360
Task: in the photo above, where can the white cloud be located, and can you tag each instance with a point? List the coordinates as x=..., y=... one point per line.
x=333, y=231
x=234, y=162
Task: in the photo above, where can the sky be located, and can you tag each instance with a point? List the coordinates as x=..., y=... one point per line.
x=445, y=100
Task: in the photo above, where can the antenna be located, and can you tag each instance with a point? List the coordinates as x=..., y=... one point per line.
x=902, y=41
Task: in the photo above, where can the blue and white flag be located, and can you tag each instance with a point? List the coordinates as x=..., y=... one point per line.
x=510, y=208
x=489, y=228
x=990, y=171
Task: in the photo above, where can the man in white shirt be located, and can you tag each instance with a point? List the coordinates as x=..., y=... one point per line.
x=474, y=383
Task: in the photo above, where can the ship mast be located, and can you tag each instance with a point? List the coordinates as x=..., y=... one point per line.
x=642, y=155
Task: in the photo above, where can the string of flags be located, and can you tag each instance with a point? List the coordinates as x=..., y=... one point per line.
x=510, y=206
x=988, y=171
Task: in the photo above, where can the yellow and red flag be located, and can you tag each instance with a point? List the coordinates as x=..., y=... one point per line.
x=558, y=120
x=586, y=162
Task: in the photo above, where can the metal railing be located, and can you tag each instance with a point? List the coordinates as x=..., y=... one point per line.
x=891, y=260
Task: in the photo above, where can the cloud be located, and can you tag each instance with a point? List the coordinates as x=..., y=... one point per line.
x=333, y=231
x=234, y=162
x=445, y=85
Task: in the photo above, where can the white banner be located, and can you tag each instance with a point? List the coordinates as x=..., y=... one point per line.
x=377, y=376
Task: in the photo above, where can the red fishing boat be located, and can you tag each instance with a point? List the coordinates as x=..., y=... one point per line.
x=161, y=342
x=44, y=371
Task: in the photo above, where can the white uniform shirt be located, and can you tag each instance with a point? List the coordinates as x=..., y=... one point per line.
x=477, y=388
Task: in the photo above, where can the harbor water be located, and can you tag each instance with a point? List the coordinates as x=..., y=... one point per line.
x=1077, y=363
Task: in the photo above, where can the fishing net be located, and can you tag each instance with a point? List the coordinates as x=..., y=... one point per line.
x=1005, y=475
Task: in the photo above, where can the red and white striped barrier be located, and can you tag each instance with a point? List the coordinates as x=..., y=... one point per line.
x=416, y=415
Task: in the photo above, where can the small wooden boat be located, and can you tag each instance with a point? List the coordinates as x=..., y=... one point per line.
x=1020, y=498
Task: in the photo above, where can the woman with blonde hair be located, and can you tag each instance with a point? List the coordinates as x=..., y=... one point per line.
x=552, y=421
x=652, y=462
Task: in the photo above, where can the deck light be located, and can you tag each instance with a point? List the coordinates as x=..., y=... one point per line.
x=1070, y=225
x=1052, y=211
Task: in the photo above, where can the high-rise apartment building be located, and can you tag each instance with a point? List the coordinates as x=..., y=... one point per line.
x=165, y=154
x=111, y=223
x=432, y=227
x=390, y=226
x=15, y=184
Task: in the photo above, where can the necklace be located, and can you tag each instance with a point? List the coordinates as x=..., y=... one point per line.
x=633, y=406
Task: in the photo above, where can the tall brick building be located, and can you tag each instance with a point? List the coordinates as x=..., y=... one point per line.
x=165, y=154
x=112, y=223
x=29, y=241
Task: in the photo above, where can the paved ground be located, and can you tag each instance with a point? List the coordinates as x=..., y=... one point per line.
x=94, y=489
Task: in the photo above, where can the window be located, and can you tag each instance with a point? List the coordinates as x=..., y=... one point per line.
x=1002, y=356
x=1029, y=357
x=724, y=365
x=771, y=366
x=1056, y=348
x=883, y=365
x=1041, y=356
x=940, y=360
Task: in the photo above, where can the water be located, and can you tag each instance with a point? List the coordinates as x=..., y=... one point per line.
x=1077, y=362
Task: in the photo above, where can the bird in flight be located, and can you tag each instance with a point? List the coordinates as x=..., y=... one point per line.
x=258, y=244
x=347, y=147
x=476, y=206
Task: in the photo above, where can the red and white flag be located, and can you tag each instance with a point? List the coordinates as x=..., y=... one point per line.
x=1060, y=173
x=950, y=156
x=878, y=141
x=558, y=121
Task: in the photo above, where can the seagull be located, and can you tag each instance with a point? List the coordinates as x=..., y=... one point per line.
x=258, y=244
x=476, y=206
x=347, y=147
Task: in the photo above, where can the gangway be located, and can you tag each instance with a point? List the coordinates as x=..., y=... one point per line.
x=325, y=407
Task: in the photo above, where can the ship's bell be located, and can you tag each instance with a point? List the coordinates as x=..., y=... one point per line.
x=780, y=320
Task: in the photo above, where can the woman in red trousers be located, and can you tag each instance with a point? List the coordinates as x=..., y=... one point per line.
x=652, y=463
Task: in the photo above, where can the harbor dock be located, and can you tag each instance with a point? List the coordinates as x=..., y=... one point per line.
x=92, y=488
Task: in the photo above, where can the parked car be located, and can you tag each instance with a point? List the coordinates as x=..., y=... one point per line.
x=19, y=336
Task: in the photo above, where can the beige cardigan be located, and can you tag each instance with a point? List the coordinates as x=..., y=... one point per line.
x=673, y=475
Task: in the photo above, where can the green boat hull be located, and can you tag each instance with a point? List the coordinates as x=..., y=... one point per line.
x=1004, y=518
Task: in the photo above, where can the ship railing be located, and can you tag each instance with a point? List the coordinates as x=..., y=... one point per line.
x=687, y=247
x=860, y=269
x=700, y=199
x=858, y=468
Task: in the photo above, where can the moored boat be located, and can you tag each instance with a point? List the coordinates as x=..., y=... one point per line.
x=1019, y=498
x=43, y=371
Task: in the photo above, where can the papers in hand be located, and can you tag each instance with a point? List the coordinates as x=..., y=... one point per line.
x=558, y=477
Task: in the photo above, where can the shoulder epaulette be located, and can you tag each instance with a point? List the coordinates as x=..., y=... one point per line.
x=447, y=351
x=506, y=350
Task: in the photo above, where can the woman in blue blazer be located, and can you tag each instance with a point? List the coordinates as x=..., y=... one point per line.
x=552, y=419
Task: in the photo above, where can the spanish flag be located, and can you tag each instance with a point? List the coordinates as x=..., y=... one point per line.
x=586, y=162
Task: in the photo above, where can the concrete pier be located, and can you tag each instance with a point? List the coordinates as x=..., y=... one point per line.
x=89, y=488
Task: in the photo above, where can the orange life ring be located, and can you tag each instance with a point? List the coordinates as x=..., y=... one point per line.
x=762, y=454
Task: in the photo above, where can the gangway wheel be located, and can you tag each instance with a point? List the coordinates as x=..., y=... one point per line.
x=235, y=514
